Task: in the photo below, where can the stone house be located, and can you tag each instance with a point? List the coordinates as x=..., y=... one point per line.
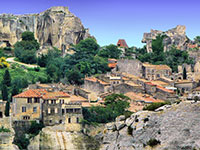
x=95, y=85
x=185, y=86
x=155, y=72
x=2, y=108
x=49, y=107
x=194, y=93
x=133, y=67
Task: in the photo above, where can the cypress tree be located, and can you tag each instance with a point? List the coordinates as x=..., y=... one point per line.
x=6, y=78
x=184, y=74
x=7, y=110
x=4, y=92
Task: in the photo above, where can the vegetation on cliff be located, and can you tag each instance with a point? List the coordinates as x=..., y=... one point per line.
x=172, y=58
x=115, y=105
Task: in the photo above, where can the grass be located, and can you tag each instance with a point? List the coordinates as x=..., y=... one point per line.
x=3, y=129
x=30, y=75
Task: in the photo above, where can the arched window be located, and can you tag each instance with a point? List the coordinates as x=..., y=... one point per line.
x=69, y=120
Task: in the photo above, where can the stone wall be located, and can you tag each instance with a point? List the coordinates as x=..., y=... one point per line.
x=133, y=67
x=125, y=88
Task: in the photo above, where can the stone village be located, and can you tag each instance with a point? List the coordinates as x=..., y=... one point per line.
x=143, y=83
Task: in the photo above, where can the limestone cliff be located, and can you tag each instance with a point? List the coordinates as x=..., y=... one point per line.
x=56, y=138
x=175, y=36
x=176, y=127
x=56, y=27
x=7, y=138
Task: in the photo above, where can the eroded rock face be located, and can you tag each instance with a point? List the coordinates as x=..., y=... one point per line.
x=176, y=127
x=175, y=36
x=56, y=27
x=56, y=138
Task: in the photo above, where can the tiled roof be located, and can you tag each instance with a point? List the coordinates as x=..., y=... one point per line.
x=164, y=89
x=55, y=95
x=141, y=97
x=75, y=98
x=150, y=83
x=122, y=43
x=41, y=93
x=157, y=67
x=112, y=65
x=31, y=93
x=92, y=79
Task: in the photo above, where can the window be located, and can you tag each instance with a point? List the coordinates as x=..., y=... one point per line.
x=56, y=110
x=26, y=117
x=23, y=109
x=36, y=100
x=50, y=121
x=34, y=109
x=77, y=120
x=52, y=110
x=158, y=75
x=29, y=100
x=69, y=120
x=60, y=121
x=62, y=101
x=63, y=111
x=49, y=110
x=1, y=115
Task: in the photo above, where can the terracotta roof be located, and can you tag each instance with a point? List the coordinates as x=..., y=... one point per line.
x=41, y=93
x=158, y=67
x=112, y=59
x=164, y=89
x=142, y=97
x=31, y=93
x=55, y=95
x=150, y=83
x=196, y=89
x=93, y=79
x=74, y=98
x=122, y=43
x=112, y=65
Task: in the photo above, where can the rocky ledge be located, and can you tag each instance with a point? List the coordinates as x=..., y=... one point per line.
x=56, y=27
x=174, y=128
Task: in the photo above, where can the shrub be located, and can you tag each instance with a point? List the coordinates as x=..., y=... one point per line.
x=153, y=142
x=3, y=129
x=154, y=106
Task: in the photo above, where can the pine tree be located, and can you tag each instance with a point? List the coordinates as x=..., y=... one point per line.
x=6, y=78
x=4, y=92
x=184, y=74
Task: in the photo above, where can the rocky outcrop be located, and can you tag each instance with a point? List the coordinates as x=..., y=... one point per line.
x=56, y=27
x=7, y=138
x=56, y=138
x=175, y=128
x=173, y=37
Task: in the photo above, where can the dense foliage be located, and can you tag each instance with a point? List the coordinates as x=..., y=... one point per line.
x=25, y=50
x=3, y=63
x=172, y=58
x=110, y=51
x=73, y=68
x=3, y=129
x=154, y=106
x=115, y=105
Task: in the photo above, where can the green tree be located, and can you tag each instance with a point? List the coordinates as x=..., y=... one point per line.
x=25, y=50
x=28, y=36
x=74, y=77
x=197, y=39
x=7, y=78
x=4, y=91
x=110, y=51
x=7, y=110
x=184, y=74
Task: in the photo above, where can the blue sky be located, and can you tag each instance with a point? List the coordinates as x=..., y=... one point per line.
x=110, y=20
